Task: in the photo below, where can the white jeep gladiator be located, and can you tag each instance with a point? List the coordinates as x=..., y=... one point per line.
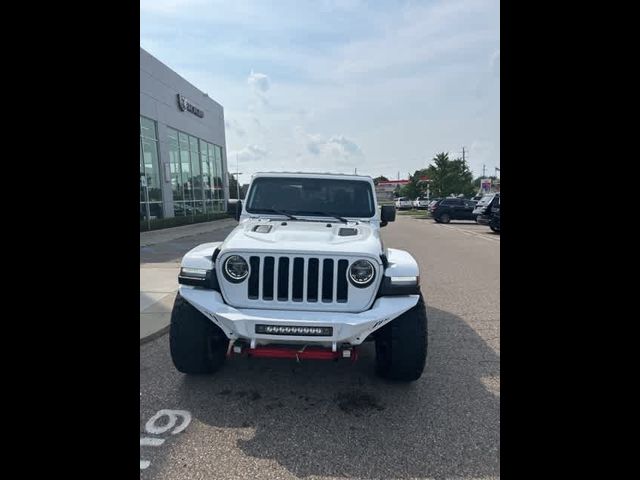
x=304, y=275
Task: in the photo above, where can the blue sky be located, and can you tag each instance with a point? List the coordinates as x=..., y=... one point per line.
x=334, y=85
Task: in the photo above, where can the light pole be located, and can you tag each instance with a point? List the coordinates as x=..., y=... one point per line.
x=237, y=174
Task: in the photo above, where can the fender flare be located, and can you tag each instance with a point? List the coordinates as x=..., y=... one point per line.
x=200, y=256
x=401, y=264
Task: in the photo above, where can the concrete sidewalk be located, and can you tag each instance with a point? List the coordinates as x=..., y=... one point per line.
x=168, y=234
x=159, y=281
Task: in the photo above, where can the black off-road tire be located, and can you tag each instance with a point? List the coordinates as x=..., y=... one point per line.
x=445, y=218
x=401, y=345
x=198, y=346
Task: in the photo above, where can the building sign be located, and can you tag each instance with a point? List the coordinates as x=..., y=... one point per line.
x=186, y=105
x=485, y=184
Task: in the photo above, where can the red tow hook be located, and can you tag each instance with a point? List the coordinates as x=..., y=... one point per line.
x=294, y=353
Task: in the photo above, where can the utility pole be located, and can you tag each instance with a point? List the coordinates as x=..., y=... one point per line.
x=463, y=158
x=238, y=176
x=483, y=169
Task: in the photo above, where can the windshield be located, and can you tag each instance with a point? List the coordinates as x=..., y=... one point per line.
x=311, y=196
x=485, y=200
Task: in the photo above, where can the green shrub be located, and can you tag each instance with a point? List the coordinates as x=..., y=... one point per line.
x=159, y=223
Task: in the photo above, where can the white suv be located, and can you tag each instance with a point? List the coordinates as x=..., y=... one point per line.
x=421, y=203
x=304, y=276
x=404, y=203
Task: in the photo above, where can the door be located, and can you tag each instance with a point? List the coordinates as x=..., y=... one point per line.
x=457, y=209
x=469, y=206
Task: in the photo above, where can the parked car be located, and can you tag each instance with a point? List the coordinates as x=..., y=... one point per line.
x=449, y=209
x=404, y=203
x=483, y=208
x=303, y=276
x=421, y=203
x=494, y=224
x=432, y=202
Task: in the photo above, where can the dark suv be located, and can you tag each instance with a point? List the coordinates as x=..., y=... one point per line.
x=484, y=208
x=449, y=209
x=494, y=224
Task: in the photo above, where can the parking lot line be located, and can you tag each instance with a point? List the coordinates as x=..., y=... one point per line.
x=471, y=233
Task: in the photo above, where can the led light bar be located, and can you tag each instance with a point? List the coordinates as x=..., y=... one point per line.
x=193, y=272
x=294, y=330
x=405, y=280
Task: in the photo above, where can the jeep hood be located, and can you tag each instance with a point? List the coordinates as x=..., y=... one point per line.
x=292, y=236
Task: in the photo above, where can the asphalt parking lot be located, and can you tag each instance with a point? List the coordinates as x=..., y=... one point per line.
x=263, y=418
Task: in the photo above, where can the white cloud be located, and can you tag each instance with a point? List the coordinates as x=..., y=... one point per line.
x=234, y=127
x=343, y=146
x=248, y=154
x=259, y=84
x=258, y=81
x=399, y=81
x=331, y=147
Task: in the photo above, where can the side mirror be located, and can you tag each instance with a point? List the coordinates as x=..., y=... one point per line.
x=387, y=214
x=238, y=210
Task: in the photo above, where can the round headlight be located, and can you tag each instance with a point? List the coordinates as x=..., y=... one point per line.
x=236, y=268
x=362, y=273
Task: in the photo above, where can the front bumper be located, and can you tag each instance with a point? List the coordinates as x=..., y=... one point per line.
x=348, y=328
x=483, y=219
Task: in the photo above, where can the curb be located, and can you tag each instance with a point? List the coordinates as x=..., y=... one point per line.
x=154, y=335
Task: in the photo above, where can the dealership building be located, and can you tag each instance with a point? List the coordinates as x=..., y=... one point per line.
x=183, y=158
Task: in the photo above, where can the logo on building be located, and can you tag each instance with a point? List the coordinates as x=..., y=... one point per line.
x=186, y=105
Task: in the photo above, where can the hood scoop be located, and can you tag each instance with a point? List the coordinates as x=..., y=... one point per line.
x=347, y=232
x=262, y=228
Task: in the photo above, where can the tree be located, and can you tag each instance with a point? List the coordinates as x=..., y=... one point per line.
x=450, y=176
x=415, y=188
x=379, y=179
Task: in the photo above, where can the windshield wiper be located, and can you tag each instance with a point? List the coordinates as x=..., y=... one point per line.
x=279, y=212
x=326, y=214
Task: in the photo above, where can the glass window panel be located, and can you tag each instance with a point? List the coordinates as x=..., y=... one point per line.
x=180, y=209
x=142, y=198
x=185, y=170
x=172, y=135
x=196, y=176
x=206, y=177
x=150, y=154
x=183, y=140
x=155, y=210
x=193, y=144
x=204, y=150
x=147, y=128
x=174, y=163
x=198, y=208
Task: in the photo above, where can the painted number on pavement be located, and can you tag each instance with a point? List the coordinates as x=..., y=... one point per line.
x=160, y=423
